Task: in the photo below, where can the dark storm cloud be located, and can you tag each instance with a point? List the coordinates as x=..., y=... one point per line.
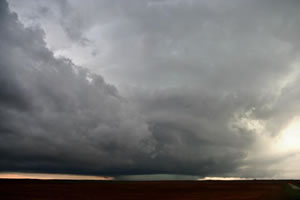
x=200, y=83
x=77, y=123
x=74, y=121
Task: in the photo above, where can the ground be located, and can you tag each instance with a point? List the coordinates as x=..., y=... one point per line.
x=175, y=190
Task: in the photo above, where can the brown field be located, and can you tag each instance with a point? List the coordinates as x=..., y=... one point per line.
x=216, y=190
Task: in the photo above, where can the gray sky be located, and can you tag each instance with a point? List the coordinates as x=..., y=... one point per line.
x=133, y=88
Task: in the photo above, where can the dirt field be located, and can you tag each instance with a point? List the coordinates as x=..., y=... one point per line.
x=200, y=190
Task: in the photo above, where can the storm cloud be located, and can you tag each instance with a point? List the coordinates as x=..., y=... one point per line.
x=200, y=88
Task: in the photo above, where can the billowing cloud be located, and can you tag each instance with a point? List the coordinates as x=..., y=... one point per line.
x=58, y=117
x=202, y=88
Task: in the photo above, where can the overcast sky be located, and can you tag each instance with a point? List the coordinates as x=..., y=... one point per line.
x=139, y=88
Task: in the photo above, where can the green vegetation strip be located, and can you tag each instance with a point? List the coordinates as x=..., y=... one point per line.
x=290, y=193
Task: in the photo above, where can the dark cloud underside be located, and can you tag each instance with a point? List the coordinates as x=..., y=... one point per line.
x=199, y=85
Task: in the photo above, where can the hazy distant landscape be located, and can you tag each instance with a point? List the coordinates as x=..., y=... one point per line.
x=135, y=190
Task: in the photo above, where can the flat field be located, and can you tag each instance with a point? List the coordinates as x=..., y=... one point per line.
x=131, y=190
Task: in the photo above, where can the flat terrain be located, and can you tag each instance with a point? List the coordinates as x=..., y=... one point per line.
x=219, y=190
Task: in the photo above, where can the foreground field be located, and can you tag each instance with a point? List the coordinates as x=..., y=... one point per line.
x=200, y=190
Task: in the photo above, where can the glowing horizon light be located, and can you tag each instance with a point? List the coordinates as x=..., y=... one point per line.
x=223, y=179
x=45, y=176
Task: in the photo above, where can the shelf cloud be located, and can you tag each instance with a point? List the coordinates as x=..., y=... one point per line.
x=172, y=88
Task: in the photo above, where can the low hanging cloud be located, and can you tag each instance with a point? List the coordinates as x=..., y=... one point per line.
x=58, y=117
x=202, y=88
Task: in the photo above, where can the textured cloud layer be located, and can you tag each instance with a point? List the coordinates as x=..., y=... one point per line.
x=58, y=117
x=204, y=87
